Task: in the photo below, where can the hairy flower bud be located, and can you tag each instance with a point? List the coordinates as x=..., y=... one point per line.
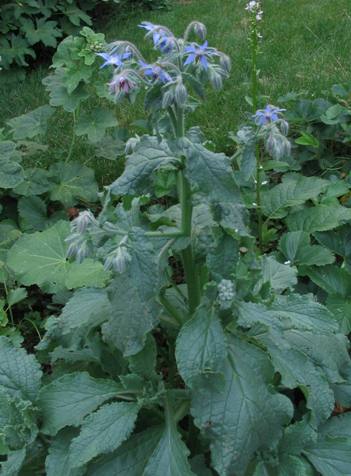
x=277, y=145
x=180, y=94
x=83, y=221
x=118, y=260
x=225, y=62
x=216, y=80
x=78, y=247
x=200, y=30
x=131, y=144
x=167, y=99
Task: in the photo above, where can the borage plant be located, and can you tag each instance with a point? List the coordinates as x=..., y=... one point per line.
x=198, y=358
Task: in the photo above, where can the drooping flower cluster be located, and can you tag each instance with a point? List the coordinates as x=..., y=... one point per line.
x=274, y=129
x=183, y=65
x=78, y=246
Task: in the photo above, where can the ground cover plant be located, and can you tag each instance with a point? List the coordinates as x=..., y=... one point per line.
x=196, y=310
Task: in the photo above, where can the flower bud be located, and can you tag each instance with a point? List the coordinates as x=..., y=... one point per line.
x=131, y=144
x=200, y=30
x=83, y=221
x=180, y=94
x=277, y=145
x=216, y=80
x=225, y=62
x=284, y=127
x=167, y=99
x=118, y=260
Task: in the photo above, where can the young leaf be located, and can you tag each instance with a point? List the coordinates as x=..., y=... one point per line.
x=102, y=432
x=67, y=400
x=20, y=373
x=201, y=346
x=245, y=415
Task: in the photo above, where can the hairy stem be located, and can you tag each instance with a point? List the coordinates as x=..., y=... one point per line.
x=254, y=94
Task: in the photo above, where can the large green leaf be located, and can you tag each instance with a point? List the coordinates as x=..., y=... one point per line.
x=20, y=373
x=103, y=431
x=279, y=276
x=43, y=30
x=89, y=273
x=36, y=182
x=57, y=461
x=40, y=258
x=148, y=155
x=31, y=124
x=95, y=124
x=170, y=457
x=318, y=218
x=14, y=462
x=33, y=214
x=332, y=279
x=67, y=400
x=331, y=454
x=340, y=307
x=301, y=337
x=72, y=182
x=246, y=415
x=294, y=190
x=86, y=308
x=131, y=458
x=11, y=173
x=135, y=290
x=296, y=247
x=339, y=241
x=201, y=346
x=59, y=95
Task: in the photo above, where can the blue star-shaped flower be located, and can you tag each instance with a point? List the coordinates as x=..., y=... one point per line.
x=267, y=115
x=113, y=59
x=199, y=54
x=155, y=72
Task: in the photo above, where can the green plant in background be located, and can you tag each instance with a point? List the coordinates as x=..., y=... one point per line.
x=175, y=345
x=29, y=24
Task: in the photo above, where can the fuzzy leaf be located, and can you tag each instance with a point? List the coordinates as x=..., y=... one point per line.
x=20, y=373
x=148, y=156
x=103, y=431
x=135, y=290
x=67, y=400
x=11, y=173
x=14, y=462
x=201, y=346
x=246, y=415
x=279, y=276
x=331, y=279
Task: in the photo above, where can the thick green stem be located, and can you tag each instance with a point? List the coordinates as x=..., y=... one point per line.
x=190, y=268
